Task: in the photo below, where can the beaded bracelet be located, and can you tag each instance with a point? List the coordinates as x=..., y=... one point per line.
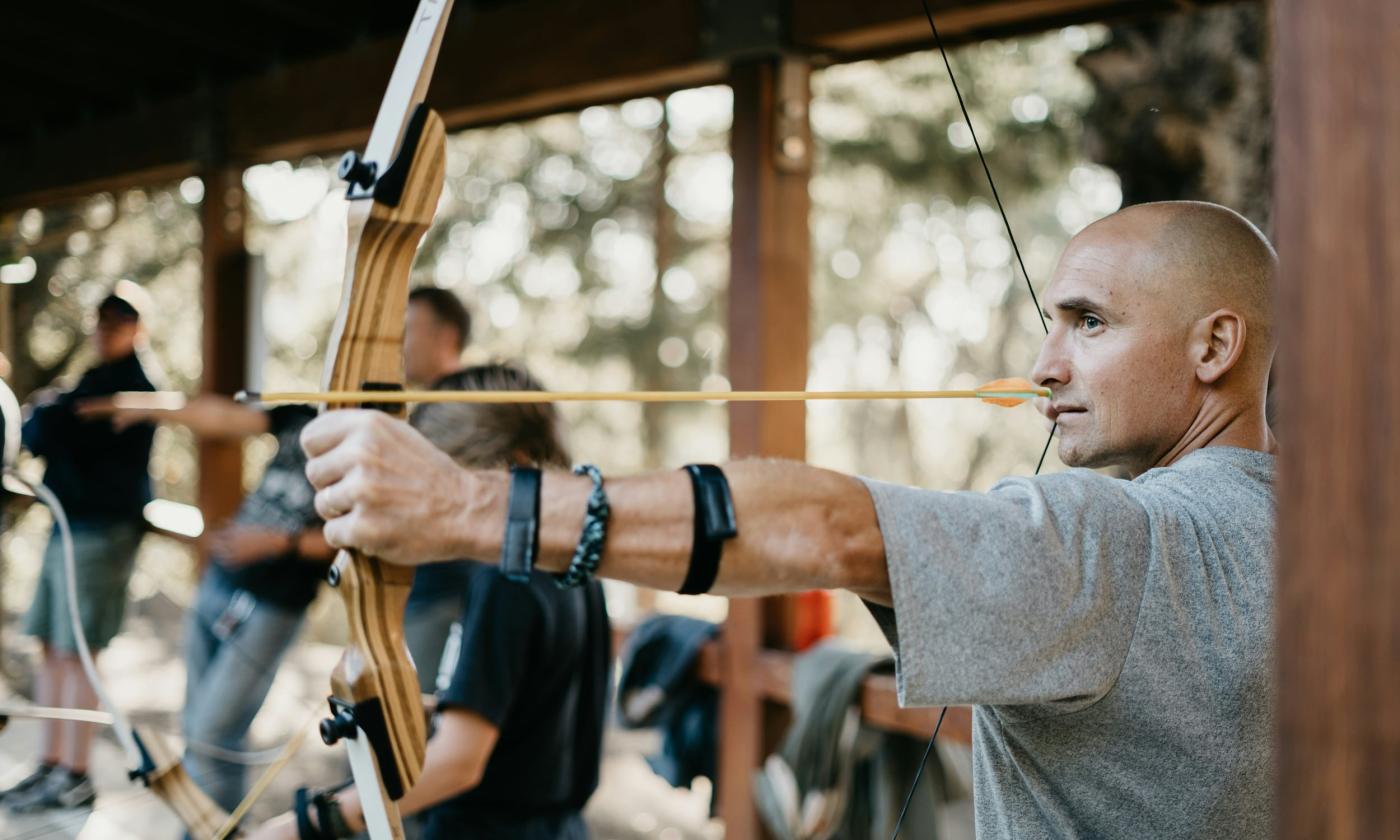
x=589, y=552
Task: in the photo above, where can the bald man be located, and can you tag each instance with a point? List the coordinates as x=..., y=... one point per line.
x=1113, y=634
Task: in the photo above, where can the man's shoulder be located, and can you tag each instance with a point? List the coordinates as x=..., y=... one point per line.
x=1213, y=464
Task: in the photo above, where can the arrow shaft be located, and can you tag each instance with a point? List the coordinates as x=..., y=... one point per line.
x=518, y=397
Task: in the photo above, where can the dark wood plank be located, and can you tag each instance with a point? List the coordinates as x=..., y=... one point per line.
x=768, y=320
x=508, y=61
x=225, y=340
x=848, y=30
x=1338, y=228
x=879, y=696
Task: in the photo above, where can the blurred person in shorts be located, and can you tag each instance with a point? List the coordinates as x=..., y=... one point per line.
x=101, y=477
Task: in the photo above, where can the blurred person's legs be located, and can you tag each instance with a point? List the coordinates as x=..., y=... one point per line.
x=104, y=555
x=233, y=646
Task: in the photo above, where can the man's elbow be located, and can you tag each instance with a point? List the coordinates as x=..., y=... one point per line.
x=852, y=548
x=861, y=559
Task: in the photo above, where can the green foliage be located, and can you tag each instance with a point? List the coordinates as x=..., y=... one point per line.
x=916, y=283
x=1182, y=108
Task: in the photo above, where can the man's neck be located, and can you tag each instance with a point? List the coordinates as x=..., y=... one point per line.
x=1244, y=427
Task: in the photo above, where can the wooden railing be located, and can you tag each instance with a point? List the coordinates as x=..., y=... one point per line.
x=879, y=696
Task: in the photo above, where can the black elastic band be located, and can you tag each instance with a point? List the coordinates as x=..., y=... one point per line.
x=302, y=803
x=522, y=538
x=714, y=523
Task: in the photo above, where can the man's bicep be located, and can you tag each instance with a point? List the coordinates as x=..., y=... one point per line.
x=1024, y=595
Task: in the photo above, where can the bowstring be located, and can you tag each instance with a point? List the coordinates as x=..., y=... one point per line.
x=275, y=758
x=1040, y=313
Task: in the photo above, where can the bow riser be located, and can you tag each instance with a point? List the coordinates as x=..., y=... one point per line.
x=375, y=678
x=382, y=241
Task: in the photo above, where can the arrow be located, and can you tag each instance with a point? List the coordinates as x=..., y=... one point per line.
x=1007, y=393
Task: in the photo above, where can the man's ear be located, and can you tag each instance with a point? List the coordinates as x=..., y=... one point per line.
x=1218, y=344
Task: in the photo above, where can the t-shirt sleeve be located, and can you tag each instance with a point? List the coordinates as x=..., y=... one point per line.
x=1026, y=594
x=497, y=632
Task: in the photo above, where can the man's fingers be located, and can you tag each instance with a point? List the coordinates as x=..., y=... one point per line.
x=332, y=467
x=331, y=429
x=356, y=532
x=335, y=501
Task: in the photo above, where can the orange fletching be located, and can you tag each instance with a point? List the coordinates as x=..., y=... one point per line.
x=1019, y=390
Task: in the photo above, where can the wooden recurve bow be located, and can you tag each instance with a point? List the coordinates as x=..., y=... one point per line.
x=393, y=193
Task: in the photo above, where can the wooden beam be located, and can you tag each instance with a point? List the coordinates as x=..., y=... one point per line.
x=769, y=314
x=1337, y=67
x=225, y=304
x=496, y=64
x=505, y=62
x=848, y=30
x=878, y=699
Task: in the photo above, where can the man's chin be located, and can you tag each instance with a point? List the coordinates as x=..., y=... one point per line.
x=1075, y=453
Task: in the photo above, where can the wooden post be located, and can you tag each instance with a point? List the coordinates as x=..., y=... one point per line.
x=225, y=302
x=1337, y=225
x=769, y=313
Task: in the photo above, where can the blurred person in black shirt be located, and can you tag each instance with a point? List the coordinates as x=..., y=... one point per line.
x=437, y=329
x=517, y=742
x=265, y=570
x=100, y=475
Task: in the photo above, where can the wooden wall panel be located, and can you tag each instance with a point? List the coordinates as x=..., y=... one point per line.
x=1338, y=230
x=769, y=317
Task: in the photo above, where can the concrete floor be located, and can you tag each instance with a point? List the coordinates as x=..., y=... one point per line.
x=143, y=670
x=632, y=803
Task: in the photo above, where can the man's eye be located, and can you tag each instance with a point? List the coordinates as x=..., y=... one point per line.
x=1090, y=322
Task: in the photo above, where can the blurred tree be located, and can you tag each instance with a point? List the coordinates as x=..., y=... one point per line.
x=1182, y=108
x=915, y=280
x=591, y=246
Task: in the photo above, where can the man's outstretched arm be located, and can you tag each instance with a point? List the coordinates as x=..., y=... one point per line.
x=383, y=488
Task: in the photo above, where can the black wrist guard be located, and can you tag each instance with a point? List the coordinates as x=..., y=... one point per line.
x=522, y=539
x=714, y=523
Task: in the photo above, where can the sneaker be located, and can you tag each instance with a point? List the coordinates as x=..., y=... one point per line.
x=61, y=789
x=40, y=773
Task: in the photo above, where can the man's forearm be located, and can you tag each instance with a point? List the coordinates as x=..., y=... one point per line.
x=800, y=528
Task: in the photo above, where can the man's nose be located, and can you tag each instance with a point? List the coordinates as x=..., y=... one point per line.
x=1051, y=367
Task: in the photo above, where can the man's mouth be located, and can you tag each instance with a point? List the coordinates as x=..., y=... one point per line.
x=1058, y=412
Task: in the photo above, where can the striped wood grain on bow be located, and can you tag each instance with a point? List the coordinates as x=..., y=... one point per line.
x=394, y=190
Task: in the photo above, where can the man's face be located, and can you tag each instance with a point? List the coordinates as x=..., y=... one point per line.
x=115, y=336
x=1116, y=358
x=423, y=340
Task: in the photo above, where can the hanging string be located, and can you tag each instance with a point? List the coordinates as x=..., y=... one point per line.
x=1030, y=287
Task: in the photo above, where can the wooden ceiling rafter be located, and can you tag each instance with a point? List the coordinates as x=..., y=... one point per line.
x=493, y=71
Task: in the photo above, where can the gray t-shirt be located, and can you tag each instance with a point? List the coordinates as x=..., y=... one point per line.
x=1115, y=637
